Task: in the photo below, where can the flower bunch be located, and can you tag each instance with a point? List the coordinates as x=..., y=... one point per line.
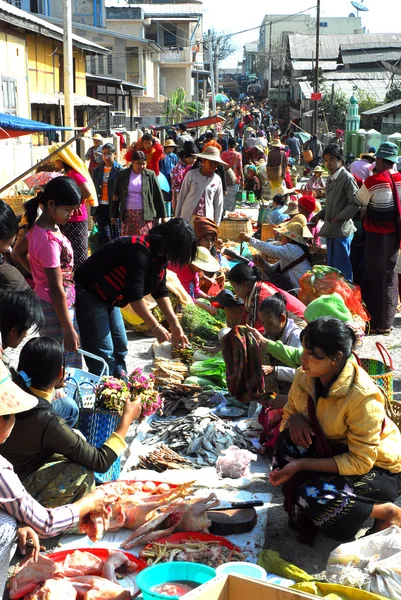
x=111, y=394
x=141, y=386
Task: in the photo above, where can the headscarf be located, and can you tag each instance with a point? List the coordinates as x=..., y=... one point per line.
x=72, y=159
x=204, y=226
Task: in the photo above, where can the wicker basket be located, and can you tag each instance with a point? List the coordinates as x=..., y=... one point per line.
x=16, y=201
x=267, y=232
x=233, y=315
x=231, y=228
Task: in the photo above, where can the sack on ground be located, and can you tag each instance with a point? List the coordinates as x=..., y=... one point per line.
x=371, y=563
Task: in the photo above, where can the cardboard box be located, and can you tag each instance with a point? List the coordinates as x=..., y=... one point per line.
x=235, y=587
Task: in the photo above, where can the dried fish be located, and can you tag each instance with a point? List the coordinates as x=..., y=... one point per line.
x=196, y=437
x=162, y=458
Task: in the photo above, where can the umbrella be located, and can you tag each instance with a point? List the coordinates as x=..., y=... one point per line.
x=303, y=136
x=222, y=98
x=163, y=182
x=40, y=179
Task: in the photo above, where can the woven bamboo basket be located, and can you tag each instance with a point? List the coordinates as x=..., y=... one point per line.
x=267, y=232
x=16, y=201
x=231, y=228
x=233, y=315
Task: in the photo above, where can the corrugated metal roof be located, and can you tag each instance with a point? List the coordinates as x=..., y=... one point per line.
x=14, y=16
x=308, y=65
x=384, y=108
x=55, y=99
x=366, y=56
x=376, y=88
x=303, y=46
x=180, y=10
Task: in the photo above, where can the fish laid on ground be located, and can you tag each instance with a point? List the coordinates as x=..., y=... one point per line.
x=199, y=438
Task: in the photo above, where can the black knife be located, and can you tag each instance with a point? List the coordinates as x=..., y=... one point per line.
x=250, y=504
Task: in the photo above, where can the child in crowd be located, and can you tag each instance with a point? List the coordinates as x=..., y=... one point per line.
x=40, y=433
x=252, y=183
x=48, y=255
x=19, y=312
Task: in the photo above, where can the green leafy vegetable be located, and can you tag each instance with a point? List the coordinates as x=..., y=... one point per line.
x=198, y=322
x=212, y=368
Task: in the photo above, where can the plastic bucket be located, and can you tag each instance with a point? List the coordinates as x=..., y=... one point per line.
x=245, y=569
x=168, y=572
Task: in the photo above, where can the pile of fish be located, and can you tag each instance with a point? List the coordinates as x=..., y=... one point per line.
x=162, y=458
x=197, y=437
x=183, y=400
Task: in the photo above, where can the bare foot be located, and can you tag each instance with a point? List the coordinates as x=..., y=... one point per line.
x=385, y=515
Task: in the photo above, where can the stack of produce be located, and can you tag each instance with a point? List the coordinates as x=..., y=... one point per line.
x=199, y=438
x=161, y=459
x=197, y=323
x=169, y=372
x=209, y=373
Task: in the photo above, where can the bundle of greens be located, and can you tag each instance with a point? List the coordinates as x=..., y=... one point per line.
x=212, y=369
x=199, y=323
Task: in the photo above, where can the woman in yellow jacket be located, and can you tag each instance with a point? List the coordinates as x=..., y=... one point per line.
x=338, y=454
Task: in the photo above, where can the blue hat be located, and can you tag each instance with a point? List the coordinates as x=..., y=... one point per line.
x=388, y=151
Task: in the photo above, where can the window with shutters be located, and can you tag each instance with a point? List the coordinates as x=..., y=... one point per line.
x=9, y=90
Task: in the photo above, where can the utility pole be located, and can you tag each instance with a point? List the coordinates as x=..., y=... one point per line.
x=216, y=65
x=316, y=90
x=68, y=68
x=211, y=63
x=269, y=75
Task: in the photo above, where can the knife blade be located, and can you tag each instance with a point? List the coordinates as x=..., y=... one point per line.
x=250, y=504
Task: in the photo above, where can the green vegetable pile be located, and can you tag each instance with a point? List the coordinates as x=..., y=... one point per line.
x=212, y=370
x=199, y=323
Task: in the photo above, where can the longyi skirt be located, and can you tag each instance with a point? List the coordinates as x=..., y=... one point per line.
x=134, y=223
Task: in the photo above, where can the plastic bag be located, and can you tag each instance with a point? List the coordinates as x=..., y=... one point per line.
x=234, y=462
x=327, y=280
x=372, y=563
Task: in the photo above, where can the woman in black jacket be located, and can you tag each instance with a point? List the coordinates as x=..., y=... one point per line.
x=40, y=433
x=104, y=178
x=123, y=272
x=137, y=199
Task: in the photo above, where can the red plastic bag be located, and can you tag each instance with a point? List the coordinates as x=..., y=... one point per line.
x=327, y=280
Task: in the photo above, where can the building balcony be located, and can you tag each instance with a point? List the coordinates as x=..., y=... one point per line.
x=176, y=55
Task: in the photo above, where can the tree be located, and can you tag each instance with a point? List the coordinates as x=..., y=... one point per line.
x=226, y=48
x=366, y=102
x=393, y=92
x=335, y=108
x=176, y=107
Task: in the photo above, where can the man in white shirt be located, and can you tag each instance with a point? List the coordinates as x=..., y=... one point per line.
x=362, y=167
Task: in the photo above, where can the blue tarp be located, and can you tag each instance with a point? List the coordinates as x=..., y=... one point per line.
x=11, y=126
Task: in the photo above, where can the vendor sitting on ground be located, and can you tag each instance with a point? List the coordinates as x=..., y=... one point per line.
x=206, y=233
x=189, y=276
x=19, y=513
x=278, y=213
x=316, y=183
x=330, y=305
x=337, y=455
x=247, y=285
x=291, y=252
x=39, y=433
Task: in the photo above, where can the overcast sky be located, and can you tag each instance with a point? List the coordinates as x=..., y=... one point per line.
x=384, y=16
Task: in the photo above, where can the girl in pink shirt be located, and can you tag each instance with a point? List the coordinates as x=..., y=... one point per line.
x=48, y=255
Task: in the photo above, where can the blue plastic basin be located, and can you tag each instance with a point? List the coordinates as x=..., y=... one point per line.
x=171, y=571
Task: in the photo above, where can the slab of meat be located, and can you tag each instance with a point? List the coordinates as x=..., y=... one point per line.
x=118, y=561
x=96, y=588
x=82, y=563
x=30, y=573
x=54, y=589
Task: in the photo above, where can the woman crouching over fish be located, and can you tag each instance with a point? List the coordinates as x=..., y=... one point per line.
x=39, y=433
x=337, y=456
x=17, y=506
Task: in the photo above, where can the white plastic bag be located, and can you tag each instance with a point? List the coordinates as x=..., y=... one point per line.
x=372, y=563
x=234, y=462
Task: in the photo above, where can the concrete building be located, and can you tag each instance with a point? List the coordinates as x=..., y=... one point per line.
x=175, y=27
x=250, y=59
x=305, y=24
x=32, y=82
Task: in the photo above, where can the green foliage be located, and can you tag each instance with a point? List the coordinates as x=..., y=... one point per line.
x=366, y=102
x=176, y=107
x=393, y=92
x=335, y=112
